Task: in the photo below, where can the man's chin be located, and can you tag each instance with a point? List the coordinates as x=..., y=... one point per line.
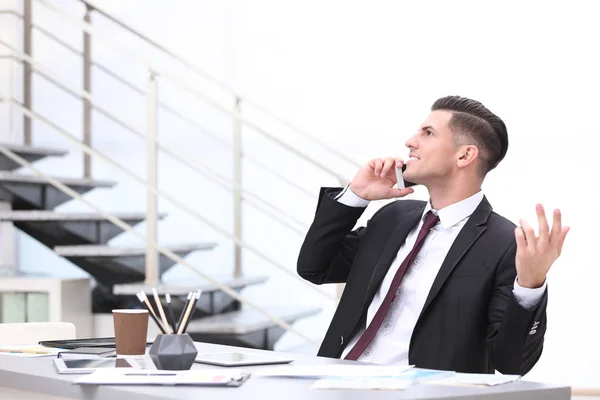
x=412, y=178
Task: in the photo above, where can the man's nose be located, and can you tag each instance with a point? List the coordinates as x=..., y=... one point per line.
x=411, y=143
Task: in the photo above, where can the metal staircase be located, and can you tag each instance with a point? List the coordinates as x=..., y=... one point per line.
x=223, y=314
x=82, y=239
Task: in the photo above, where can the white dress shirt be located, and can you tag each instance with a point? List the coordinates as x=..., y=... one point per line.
x=397, y=328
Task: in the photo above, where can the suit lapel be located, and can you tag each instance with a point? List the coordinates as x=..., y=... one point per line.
x=468, y=235
x=390, y=251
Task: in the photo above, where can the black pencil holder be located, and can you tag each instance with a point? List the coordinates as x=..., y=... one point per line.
x=173, y=352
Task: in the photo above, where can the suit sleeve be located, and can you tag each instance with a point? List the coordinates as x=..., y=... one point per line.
x=330, y=245
x=515, y=334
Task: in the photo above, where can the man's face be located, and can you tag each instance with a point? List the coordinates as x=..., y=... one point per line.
x=432, y=155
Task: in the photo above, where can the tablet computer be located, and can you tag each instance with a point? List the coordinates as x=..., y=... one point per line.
x=71, y=344
x=81, y=366
x=238, y=359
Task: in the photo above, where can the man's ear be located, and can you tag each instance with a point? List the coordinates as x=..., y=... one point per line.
x=467, y=155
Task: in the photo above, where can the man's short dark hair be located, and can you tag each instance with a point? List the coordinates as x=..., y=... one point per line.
x=473, y=123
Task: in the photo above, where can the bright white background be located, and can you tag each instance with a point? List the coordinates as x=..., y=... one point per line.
x=360, y=76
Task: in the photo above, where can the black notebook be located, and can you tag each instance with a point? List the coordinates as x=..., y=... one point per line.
x=87, y=353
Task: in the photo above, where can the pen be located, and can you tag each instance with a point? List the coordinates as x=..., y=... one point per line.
x=170, y=315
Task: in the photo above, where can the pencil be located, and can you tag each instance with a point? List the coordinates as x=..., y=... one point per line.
x=170, y=312
x=188, y=310
x=185, y=306
x=161, y=311
x=194, y=302
x=142, y=297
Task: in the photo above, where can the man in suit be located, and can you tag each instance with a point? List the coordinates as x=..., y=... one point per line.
x=445, y=284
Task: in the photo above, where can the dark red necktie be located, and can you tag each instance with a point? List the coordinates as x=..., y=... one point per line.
x=430, y=220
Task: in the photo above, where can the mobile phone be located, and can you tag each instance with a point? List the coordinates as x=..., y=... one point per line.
x=402, y=183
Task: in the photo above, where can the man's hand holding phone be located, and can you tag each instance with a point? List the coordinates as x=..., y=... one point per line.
x=376, y=179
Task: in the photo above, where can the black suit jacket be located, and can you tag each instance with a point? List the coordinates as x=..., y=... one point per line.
x=471, y=321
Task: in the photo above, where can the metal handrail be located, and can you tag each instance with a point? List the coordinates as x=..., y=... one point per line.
x=163, y=250
x=163, y=105
x=183, y=157
x=166, y=196
x=218, y=82
x=172, y=78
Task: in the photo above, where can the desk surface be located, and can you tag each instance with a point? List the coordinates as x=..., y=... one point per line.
x=39, y=375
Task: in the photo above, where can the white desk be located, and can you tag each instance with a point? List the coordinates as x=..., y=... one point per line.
x=38, y=376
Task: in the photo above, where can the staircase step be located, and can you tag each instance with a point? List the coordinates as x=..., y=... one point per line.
x=112, y=251
x=113, y=265
x=60, y=229
x=6, y=176
x=247, y=320
x=43, y=215
x=30, y=192
x=183, y=288
x=29, y=153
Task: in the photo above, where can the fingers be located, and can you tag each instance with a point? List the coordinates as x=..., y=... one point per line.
x=561, y=239
x=388, y=164
x=556, y=227
x=377, y=166
x=399, y=192
x=520, y=238
x=528, y=232
x=543, y=222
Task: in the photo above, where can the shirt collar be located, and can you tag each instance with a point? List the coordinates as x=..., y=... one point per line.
x=454, y=213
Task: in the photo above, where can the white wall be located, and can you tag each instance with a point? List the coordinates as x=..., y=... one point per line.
x=362, y=76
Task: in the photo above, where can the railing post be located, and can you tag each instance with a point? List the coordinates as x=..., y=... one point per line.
x=237, y=189
x=152, y=268
x=27, y=30
x=87, y=86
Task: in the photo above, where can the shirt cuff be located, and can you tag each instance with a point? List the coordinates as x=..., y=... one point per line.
x=348, y=198
x=526, y=297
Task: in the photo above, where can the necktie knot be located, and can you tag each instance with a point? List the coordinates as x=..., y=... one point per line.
x=430, y=220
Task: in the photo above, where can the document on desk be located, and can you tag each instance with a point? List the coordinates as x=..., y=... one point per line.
x=462, y=379
x=119, y=376
x=396, y=382
x=332, y=371
x=33, y=350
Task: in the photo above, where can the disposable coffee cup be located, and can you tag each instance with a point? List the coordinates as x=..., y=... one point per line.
x=131, y=331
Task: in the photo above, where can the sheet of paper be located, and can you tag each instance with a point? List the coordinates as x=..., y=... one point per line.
x=362, y=383
x=329, y=371
x=462, y=379
x=32, y=350
x=417, y=375
x=118, y=376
